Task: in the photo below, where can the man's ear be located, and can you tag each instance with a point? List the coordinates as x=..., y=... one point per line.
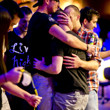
x=70, y=14
x=78, y=17
x=85, y=21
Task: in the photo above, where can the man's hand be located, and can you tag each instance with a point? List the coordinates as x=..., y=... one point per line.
x=64, y=19
x=72, y=62
x=34, y=100
x=91, y=49
x=38, y=63
x=14, y=75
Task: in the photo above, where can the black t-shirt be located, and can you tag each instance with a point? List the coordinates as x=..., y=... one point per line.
x=69, y=80
x=18, y=52
x=39, y=37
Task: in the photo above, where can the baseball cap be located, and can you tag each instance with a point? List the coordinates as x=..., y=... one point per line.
x=40, y=2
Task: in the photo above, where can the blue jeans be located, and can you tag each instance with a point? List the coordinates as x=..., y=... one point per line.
x=45, y=90
x=92, y=101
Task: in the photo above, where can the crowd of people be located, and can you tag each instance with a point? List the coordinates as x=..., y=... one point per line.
x=58, y=48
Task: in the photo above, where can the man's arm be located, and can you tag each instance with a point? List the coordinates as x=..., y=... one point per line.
x=33, y=100
x=76, y=62
x=105, y=54
x=54, y=68
x=70, y=40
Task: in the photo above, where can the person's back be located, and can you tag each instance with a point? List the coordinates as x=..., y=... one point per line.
x=39, y=36
x=70, y=80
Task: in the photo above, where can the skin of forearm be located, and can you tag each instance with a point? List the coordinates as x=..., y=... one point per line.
x=105, y=54
x=54, y=68
x=89, y=65
x=15, y=90
x=50, y=69
x=76, y=43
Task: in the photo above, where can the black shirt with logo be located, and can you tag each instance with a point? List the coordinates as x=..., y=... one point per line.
x=18, y=52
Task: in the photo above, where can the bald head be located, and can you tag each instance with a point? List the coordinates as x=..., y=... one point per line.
x=73, y=12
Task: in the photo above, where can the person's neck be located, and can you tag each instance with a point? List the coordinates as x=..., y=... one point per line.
x=64, y=27
x=42, y=9
x=19, y=33
x=76, y=28
x=84, y=26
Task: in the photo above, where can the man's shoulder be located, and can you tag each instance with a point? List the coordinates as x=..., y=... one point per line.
x=89, y=32
x=39, y=14
x=43, y=17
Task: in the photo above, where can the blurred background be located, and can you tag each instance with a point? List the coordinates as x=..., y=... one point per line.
x=103, y=31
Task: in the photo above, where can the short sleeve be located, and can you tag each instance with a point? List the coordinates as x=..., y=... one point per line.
x=57, y=48
x=48, y=21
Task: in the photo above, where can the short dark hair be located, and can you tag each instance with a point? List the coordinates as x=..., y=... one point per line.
x=26, y=10
x=87, y=13
x=12, y=7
